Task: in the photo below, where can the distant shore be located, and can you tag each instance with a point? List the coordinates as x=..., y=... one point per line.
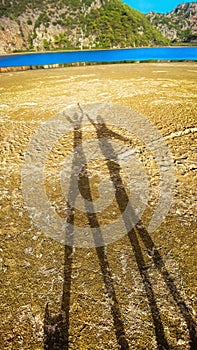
x=82, y=64
x=181, y=45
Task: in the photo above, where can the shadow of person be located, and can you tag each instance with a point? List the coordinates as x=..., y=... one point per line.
x=104, y=134
x=56, y=328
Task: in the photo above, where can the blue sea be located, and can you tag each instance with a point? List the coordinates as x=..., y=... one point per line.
x=116, y=55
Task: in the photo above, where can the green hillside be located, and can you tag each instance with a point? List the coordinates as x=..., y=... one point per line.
x=117, y=25
x=75, y=24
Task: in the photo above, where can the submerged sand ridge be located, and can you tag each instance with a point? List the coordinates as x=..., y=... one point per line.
x=107, y=301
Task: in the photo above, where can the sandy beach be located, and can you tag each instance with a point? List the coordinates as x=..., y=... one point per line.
x=138, y=292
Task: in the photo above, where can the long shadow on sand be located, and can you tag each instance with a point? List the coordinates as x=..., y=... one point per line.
x=140, y=231
x=57, y=328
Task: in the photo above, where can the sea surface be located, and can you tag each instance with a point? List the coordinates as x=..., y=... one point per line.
x=117, y=55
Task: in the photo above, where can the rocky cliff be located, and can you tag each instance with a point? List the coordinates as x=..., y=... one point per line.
x=73, y=24
x=179, y=25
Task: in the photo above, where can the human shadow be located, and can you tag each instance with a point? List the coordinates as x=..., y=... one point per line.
x=56, y=328
x=134, y=234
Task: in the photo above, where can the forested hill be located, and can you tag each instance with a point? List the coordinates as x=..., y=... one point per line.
x=73, y=24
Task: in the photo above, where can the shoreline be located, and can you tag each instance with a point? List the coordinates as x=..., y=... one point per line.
x=82, y=64
x=99, y=49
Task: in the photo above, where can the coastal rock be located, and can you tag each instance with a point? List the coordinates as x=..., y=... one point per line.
x=179, y=25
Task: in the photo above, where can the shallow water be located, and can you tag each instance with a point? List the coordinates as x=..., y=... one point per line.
x=135, y=294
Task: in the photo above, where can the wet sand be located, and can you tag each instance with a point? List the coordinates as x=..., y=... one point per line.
x=147, y=295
